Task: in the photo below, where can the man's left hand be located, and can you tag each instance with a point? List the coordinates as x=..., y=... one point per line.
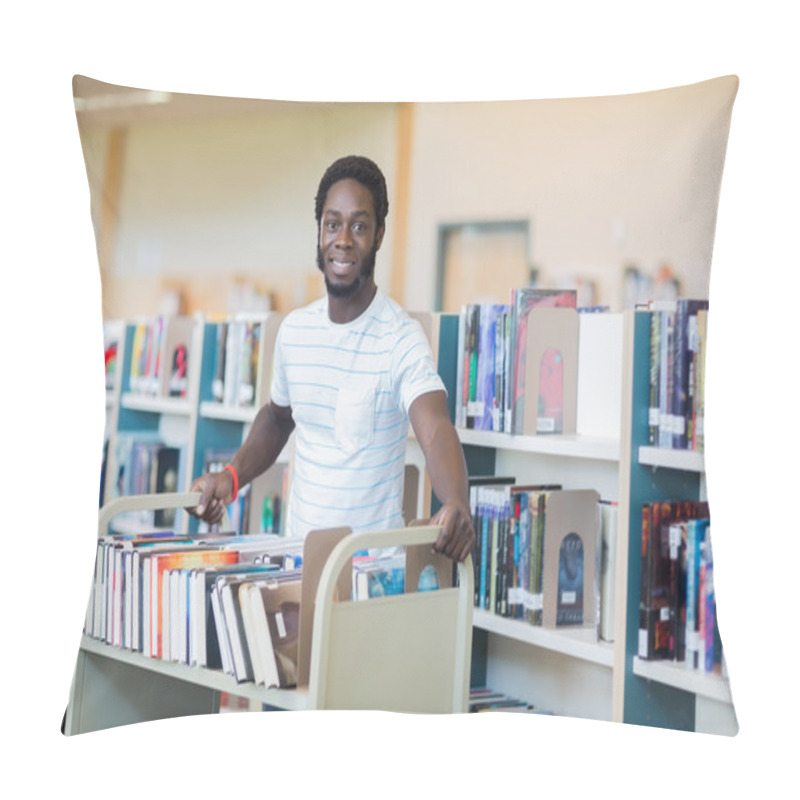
x=457, y=537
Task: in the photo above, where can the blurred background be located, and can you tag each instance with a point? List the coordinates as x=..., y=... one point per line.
x=206, y=203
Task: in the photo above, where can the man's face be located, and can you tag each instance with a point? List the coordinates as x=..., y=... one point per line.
x=349, y=238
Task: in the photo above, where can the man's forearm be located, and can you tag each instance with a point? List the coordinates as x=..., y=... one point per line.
x=446, y=466
x=266, y=439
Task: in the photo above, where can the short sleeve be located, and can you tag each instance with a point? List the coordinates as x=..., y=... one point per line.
x=413, y=368
x=279, y=388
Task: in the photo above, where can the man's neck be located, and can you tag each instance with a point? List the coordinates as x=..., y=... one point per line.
x=342, y=310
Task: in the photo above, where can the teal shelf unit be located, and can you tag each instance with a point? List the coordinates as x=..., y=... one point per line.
x=211, y=432
x=649, y=702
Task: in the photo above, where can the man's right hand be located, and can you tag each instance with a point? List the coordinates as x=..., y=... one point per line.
x=215, y=489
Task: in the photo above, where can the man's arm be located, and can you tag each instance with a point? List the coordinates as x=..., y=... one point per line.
x=267, y=437
x=447, y=469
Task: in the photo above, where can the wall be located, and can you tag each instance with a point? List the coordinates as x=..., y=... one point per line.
x=203, y=202
x=604, y=183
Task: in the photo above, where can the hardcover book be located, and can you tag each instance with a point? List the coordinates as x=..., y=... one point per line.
x=522, y=301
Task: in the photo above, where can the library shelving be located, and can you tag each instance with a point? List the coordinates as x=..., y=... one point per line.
x=567, y=671
x=153, y=403
x=225, y=411
x=652, y=692
x=141, y=412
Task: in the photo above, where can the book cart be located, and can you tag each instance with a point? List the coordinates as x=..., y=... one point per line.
x=408, y=652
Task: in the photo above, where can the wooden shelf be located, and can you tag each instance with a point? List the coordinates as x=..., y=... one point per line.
x=156, y=405
x=212, y=410
x=687, y=460
x=581, y=643
x=569, y=446
x=681, y=676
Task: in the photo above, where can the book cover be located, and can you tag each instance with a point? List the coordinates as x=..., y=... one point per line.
x=570, y=559
x=685, y=346
x=486, y=365
x=378, y=575
x=204, y=634
x=218, y=372
x=569, y=601
x=193, y=557
x=167, y=461
x=696, y=535
x=471, y=363
x=522, y=301
x=698, y=431
x=281, y=609
x=608, y=520
x=654, y=376
x=550, y=418
x=460, y=418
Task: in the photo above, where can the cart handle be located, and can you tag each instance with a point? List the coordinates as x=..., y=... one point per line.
x=151, y=502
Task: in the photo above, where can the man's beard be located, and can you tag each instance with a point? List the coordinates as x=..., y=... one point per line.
x=349, y=289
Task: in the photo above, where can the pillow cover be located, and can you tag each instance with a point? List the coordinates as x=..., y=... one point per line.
x=203, y=204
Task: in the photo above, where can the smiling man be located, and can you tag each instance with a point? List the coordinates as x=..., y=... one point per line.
x=350, y=372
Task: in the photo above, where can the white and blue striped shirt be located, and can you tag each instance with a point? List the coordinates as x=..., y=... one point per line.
x=350, y=388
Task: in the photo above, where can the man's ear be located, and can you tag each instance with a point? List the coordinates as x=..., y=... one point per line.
x=379, y=236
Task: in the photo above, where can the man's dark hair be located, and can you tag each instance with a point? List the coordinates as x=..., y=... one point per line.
x=360, y=169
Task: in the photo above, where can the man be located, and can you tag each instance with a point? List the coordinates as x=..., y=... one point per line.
x=350, y=372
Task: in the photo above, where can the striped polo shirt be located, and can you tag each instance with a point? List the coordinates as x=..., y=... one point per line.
x=350, y=388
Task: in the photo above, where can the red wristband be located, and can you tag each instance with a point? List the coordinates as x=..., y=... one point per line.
x=232, y=471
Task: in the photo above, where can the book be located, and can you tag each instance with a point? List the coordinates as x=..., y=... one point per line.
x=218, y=372
x=271, y=615
x=204, y=640
x=696, y=536
x=523, y=300
x=570, y=559
x=160, y=561
x=378, y=575
x=487, y=365
x=608, y=511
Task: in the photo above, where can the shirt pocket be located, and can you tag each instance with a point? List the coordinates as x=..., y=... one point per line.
x=354, y=422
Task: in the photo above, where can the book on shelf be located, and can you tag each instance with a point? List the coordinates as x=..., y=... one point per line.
x=242, y=357
x=608, y=524
x=160, y=354
x=492, y=345
x=145, y=464
x=523, y=300
x=678, y=330
x=482, y=700
x=537, y=552
x=113, y=334
x=489, y=365
x=674, y=538
x=571, y=559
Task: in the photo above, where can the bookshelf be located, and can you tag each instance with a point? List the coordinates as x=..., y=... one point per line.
x=661, y=693
x=139, y=407
x=223, y=418
x=566, y=671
